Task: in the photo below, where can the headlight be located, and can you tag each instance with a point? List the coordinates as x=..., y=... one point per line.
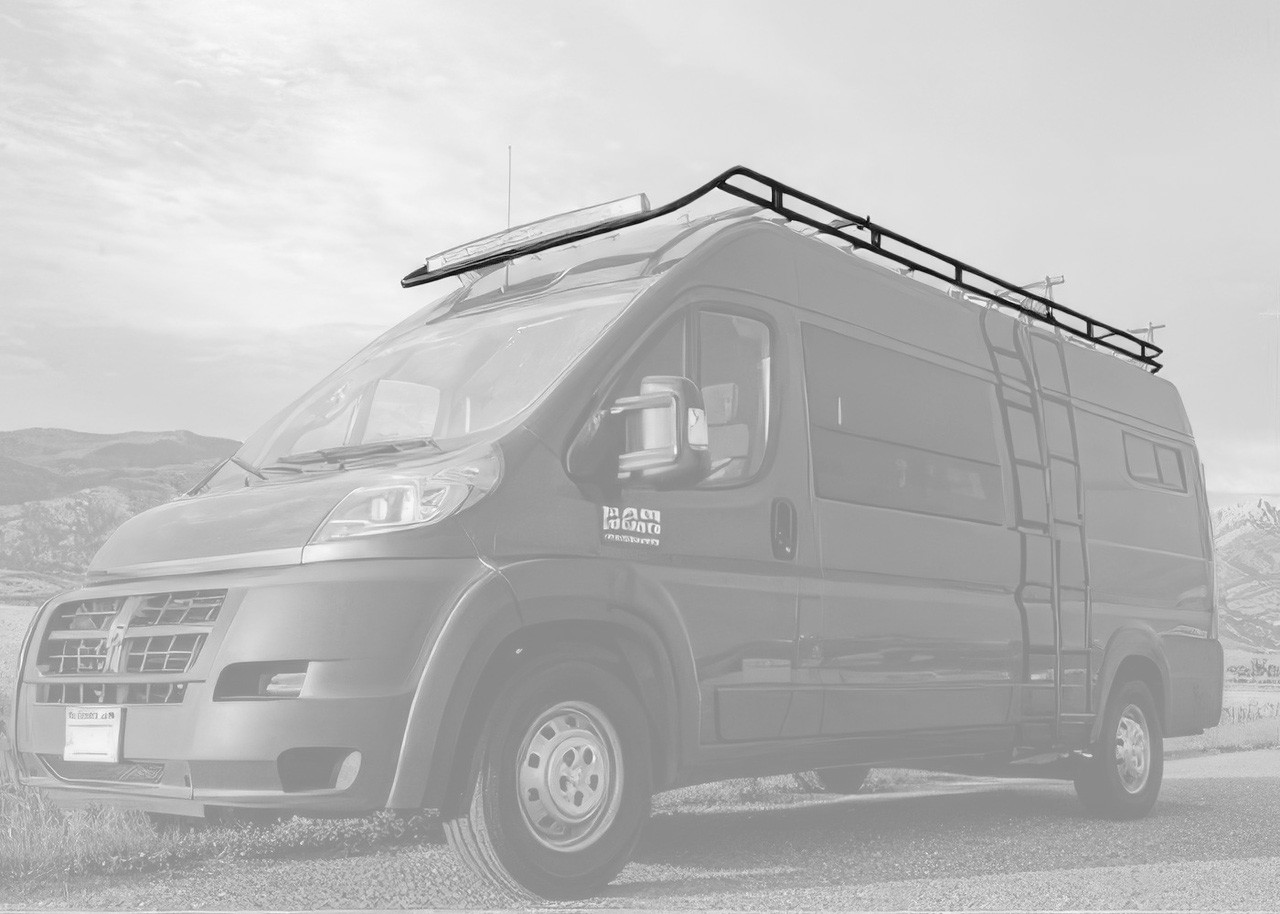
x=408, y=500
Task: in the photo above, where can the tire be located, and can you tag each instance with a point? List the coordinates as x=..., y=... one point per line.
x=1121, y=778
x=846, y=780
x=561, y=783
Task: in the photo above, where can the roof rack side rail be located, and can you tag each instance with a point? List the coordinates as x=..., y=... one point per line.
x=862, y=234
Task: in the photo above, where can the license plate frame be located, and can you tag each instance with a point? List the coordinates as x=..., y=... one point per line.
x=93, y=733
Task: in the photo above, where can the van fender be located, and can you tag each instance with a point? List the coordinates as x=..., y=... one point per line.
x=521, y=597
x=469, y=633
x=1134, y=640
x=657, y=647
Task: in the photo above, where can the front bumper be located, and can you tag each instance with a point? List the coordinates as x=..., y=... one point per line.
x=364, y=628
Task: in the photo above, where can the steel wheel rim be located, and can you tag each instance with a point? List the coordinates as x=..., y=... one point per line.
x=1133, y=750
x=569, y=776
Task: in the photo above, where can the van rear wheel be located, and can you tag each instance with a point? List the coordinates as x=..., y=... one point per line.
x=1121, y=779
x=561, y=786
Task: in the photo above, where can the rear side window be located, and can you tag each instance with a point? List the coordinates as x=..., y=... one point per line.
x=1154, y=464
x=894, y=431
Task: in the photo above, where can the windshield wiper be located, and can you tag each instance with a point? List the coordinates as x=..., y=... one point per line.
x=348, y=452
x=244, y=466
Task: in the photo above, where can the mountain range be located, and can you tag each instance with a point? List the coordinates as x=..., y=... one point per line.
x=1247, y=560
x=63, y=492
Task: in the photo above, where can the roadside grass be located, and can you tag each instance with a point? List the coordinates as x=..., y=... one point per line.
x=42, y=844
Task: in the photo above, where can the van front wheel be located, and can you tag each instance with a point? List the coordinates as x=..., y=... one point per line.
x=562, y=784
x=1121, y=779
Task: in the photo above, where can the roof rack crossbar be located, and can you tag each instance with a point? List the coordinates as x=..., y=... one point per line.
x=843, y=225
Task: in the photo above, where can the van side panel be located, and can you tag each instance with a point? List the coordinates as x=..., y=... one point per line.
x=1114, y=384
x=1150, y=560
x=921, y=627
x=905, y=311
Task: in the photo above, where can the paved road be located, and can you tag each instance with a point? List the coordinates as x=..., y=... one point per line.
x=1213, y=843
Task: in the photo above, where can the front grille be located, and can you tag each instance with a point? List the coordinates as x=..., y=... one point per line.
x=85, y=615
x=124, y=772
x=78, y=634
x=161, y=654
x=112, y=693
x=197, y=607
x=74, y=656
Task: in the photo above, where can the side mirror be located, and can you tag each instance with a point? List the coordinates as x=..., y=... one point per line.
x=665, y=433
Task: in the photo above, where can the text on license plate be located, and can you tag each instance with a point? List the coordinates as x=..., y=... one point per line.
x=93, y=734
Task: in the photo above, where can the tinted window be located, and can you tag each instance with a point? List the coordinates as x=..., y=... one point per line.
x=1154, y=464
x=732, y=369
x=1141, y=457
x=896, y=431
x=1169, y=463
x=733, y=373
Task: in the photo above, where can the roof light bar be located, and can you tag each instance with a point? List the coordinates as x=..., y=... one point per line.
x=547, y=231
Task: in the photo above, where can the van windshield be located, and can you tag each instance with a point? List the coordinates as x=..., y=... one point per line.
x=448, y=380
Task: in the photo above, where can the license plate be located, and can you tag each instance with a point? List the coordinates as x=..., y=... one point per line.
x=93, y=734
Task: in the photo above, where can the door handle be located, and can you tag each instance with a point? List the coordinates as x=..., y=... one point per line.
x=783, y=522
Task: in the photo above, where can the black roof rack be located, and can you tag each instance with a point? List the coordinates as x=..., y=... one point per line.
x=861, y=234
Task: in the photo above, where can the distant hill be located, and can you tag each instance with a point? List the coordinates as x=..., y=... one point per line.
x=62, y=492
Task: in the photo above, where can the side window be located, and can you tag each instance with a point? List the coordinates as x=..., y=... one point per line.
x=1169, y=462
x=733, y=373
x=894, y=431
x=1154, y=464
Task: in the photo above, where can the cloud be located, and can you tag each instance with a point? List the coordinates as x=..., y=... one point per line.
x=1241, y=464
x=111, y=377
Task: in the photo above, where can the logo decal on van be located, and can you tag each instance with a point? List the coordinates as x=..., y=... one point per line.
x=631, y=526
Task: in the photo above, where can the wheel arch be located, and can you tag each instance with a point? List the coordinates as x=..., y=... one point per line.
x=549, y=603
x=1133, y=653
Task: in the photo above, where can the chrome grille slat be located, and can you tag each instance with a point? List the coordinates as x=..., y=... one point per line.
x=85, y=615
x=196, y=607
x=161, y=653
x=111, y=693
x=76, y=655
x=158, y=633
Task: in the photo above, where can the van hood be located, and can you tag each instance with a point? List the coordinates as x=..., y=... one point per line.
x=254, y=526
x=272, y=523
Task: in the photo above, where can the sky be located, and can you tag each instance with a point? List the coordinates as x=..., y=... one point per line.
x=205, y=207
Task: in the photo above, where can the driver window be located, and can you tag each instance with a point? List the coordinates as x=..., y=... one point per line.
x=732, y=371
x=734, y=377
